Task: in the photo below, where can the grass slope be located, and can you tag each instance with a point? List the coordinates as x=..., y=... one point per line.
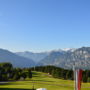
x=42, y=80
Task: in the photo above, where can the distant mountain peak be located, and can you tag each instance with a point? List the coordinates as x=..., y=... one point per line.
x=34, y=56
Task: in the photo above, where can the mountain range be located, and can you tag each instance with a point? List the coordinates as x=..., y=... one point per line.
x=67, y=59
x=64, y=58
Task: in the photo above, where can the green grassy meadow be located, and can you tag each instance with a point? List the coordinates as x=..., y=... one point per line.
x=42, y=80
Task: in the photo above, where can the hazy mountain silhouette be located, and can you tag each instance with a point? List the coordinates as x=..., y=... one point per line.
x=17, y=61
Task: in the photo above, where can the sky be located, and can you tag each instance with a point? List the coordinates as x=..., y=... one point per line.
x=43, y=25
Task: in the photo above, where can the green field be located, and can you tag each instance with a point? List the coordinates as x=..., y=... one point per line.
x=42, y=80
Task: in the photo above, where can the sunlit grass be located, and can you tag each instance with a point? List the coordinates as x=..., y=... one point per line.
x=43, y=80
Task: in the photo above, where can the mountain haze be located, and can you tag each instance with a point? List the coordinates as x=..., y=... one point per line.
x=34, y=56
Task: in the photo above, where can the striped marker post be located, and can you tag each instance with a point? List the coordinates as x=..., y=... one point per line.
x=77, y=78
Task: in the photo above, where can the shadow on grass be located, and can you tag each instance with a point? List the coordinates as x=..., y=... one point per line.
x=34, y=73
x=4, y=83
x=14, y=89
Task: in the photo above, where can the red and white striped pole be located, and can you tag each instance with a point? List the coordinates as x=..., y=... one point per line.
x=78, y=78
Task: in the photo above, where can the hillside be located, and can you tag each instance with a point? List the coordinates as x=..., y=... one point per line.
x=17, y=61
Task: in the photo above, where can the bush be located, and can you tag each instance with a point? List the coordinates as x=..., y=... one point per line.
x=88, y=80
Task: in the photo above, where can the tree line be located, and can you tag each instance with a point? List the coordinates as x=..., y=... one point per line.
x=61, y=73
x=8, y=72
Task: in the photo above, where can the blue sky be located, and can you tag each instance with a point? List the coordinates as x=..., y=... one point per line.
x=43, y=25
